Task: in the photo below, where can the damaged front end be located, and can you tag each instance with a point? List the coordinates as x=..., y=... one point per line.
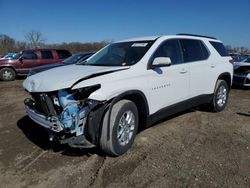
x=65, y=114
x=242, y=75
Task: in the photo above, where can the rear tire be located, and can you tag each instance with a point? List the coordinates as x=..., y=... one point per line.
x=7, y=74
x=220, y=97
x=123, y=128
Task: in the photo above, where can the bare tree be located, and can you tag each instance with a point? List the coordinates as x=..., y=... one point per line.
x=79, y=47
x=35, y=39
x=6, y=44
x=20, y=45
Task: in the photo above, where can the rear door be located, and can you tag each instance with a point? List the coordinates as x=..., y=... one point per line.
x=168, y=85
x=29, y=59
x=195, y=54
x=47, y=57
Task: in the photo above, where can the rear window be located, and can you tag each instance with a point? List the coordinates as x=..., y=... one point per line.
x=63, y=54
x=220, y=48
x=46, y=54
x=194, y=50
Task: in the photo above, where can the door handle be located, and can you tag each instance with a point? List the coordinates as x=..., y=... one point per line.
x=212, y=65
x=183, y=71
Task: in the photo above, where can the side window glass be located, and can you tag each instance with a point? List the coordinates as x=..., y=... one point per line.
x=29, y=55
x=171, y=49
x=46, y=54
x=63, y=54
x=193, y=50
x=204, y=50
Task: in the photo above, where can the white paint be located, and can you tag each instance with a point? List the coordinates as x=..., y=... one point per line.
x=162, y=87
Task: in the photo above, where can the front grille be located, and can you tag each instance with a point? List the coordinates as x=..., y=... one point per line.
x=242, y=70
x=43, y=104
x=247, y=81
x=239, y=79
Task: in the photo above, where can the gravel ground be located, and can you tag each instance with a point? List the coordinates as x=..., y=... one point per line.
x=191, y=149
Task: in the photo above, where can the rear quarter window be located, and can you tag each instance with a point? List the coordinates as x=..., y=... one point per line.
x=63, y=54
x=46, y=54
x=220, y=48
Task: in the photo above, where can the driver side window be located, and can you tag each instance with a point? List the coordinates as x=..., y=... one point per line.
x=171, y=49
x=29, y=55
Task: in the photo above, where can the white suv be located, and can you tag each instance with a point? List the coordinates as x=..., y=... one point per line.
x=128, y=85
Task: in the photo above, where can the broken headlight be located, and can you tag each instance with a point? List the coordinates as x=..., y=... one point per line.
x=75, y=108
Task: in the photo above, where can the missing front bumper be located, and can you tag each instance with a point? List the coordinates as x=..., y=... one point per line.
x=241, y=79
x=56, y=129
x=52, y=123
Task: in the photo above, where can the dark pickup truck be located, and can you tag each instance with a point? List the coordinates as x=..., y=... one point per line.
x=22, y=62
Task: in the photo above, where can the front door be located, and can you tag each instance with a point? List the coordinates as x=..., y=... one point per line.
x=168, y=85
x=29, y=60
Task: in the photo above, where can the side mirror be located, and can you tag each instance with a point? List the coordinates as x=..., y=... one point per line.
x=161, y=62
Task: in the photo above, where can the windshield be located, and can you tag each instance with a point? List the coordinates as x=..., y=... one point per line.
x=247, y=60
x=16, y=56
x=120, y=54
x=9, y=56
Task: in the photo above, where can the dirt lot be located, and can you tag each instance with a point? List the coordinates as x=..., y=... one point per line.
x=195, y=148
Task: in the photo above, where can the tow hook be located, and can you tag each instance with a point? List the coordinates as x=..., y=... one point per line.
x=51, y=136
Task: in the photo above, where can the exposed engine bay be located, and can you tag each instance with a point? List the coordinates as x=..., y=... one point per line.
x=65, y=113
x=242, y=74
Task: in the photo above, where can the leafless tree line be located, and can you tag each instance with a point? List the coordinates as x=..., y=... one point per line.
x=35, y=39
x=239, y=50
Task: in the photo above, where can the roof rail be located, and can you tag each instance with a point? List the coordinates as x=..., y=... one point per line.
x=194, y=35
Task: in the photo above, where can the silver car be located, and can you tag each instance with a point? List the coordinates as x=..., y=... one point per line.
x=242, y=73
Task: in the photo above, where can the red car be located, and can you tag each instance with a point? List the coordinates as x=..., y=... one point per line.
x=22, y=62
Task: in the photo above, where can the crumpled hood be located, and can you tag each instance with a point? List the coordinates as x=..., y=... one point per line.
x=64, y=77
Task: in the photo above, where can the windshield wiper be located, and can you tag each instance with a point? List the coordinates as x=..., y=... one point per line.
x=92, y=64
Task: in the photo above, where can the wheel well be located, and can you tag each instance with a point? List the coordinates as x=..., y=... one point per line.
x=142, y=107
x=8, y=67
x=226, y=77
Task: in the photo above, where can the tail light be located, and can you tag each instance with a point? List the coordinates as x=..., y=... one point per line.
x=231, y=61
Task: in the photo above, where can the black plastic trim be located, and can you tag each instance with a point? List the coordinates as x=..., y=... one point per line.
x=119, y=97
x=178, y=107
x=94, y=123
x=226, y=74
x=194, y=35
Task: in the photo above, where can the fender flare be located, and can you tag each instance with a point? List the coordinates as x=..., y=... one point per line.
x=119, y=97
x=7, y=66
x=225, y=74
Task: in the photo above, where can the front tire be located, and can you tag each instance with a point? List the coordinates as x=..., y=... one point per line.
x=123, y=128
x=220, y=97
x=7, y=74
